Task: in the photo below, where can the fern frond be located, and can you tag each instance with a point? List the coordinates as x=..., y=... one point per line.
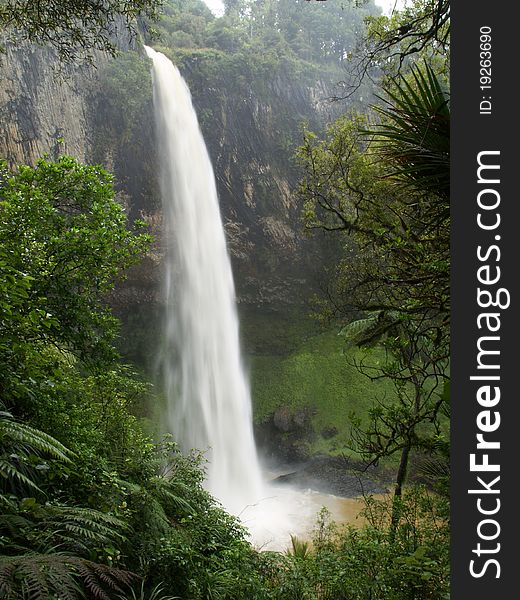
x=174, y=492
x=19, y=444
x=44, y=576
x=13, y=522
x=100, y=579
x=37, y=576
x=32, y=440
x=78, y=528
x=370, y=330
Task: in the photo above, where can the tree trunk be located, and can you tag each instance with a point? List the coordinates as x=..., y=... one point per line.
x=401, y=477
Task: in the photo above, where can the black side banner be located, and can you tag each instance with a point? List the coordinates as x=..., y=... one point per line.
x=485, y=267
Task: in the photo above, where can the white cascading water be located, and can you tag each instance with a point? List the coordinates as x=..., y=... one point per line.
x=207, y=389
x=208, y=394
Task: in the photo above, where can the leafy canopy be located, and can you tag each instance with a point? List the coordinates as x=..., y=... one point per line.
x=64, y=244
x=385, y=189
x=72, y=27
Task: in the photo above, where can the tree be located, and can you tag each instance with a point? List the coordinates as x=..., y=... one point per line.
x=63, y=232
x=422, y=28
x=387, y=188
x=72, y=26
x=87, y=498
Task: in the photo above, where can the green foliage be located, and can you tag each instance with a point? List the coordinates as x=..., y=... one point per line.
x=299, y=548
x=45, y=548
x=59, y=576
x=371, y=562
x=167, y=527
x=61, y=227
x=58, y=221
x=155, y=593
x=73, y=28
x=414, y=135
x=386, y=189
x=256, y=42
x=125, y=95
x=311, y=31
x=183, y=23
x=420, y=29
x=22, y=453
x=320, y=378
x=91, y=506
x=350, y=563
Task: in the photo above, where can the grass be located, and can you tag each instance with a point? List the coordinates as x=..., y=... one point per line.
x=293, y=363
x=318, y=376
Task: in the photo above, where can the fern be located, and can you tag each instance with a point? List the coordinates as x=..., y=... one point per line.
x=37, y=576
x=172, y=492
x=371, y=330
x=20, y=442
x=76, y=529
x=101, y=580
x=44, y=576
x=32, y=440
x=13, y=473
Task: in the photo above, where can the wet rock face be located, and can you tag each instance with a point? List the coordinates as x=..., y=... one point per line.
x=45, y=106
x=336, y=476
x=252, y=141
x=286, y=420
x=286, y=435
x=282, y=419
x=42, y=111
x=329, y=432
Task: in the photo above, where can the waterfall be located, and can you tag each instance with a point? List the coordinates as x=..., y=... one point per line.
x=207, y=389
x=209, y=401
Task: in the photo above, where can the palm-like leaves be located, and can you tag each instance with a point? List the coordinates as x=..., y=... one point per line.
x=19, y=445
x=299, y=548
x=414, y=135
x=369, y=331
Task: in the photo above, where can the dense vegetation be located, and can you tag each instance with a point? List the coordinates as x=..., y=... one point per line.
x=90, y=503
x=318, y=381
x=281, y=28
x=94, y=507
x=258, y=43
x=391, y=198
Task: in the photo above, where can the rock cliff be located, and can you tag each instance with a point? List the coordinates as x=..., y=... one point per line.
x=43, y=109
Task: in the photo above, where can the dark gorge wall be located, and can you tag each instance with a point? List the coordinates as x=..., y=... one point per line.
x=42, y=111
x=45, y=105
x=252, y=141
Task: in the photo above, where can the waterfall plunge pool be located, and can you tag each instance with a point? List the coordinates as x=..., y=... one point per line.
x=284, y=511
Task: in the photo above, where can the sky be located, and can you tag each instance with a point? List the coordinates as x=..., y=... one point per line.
x=217, y=7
